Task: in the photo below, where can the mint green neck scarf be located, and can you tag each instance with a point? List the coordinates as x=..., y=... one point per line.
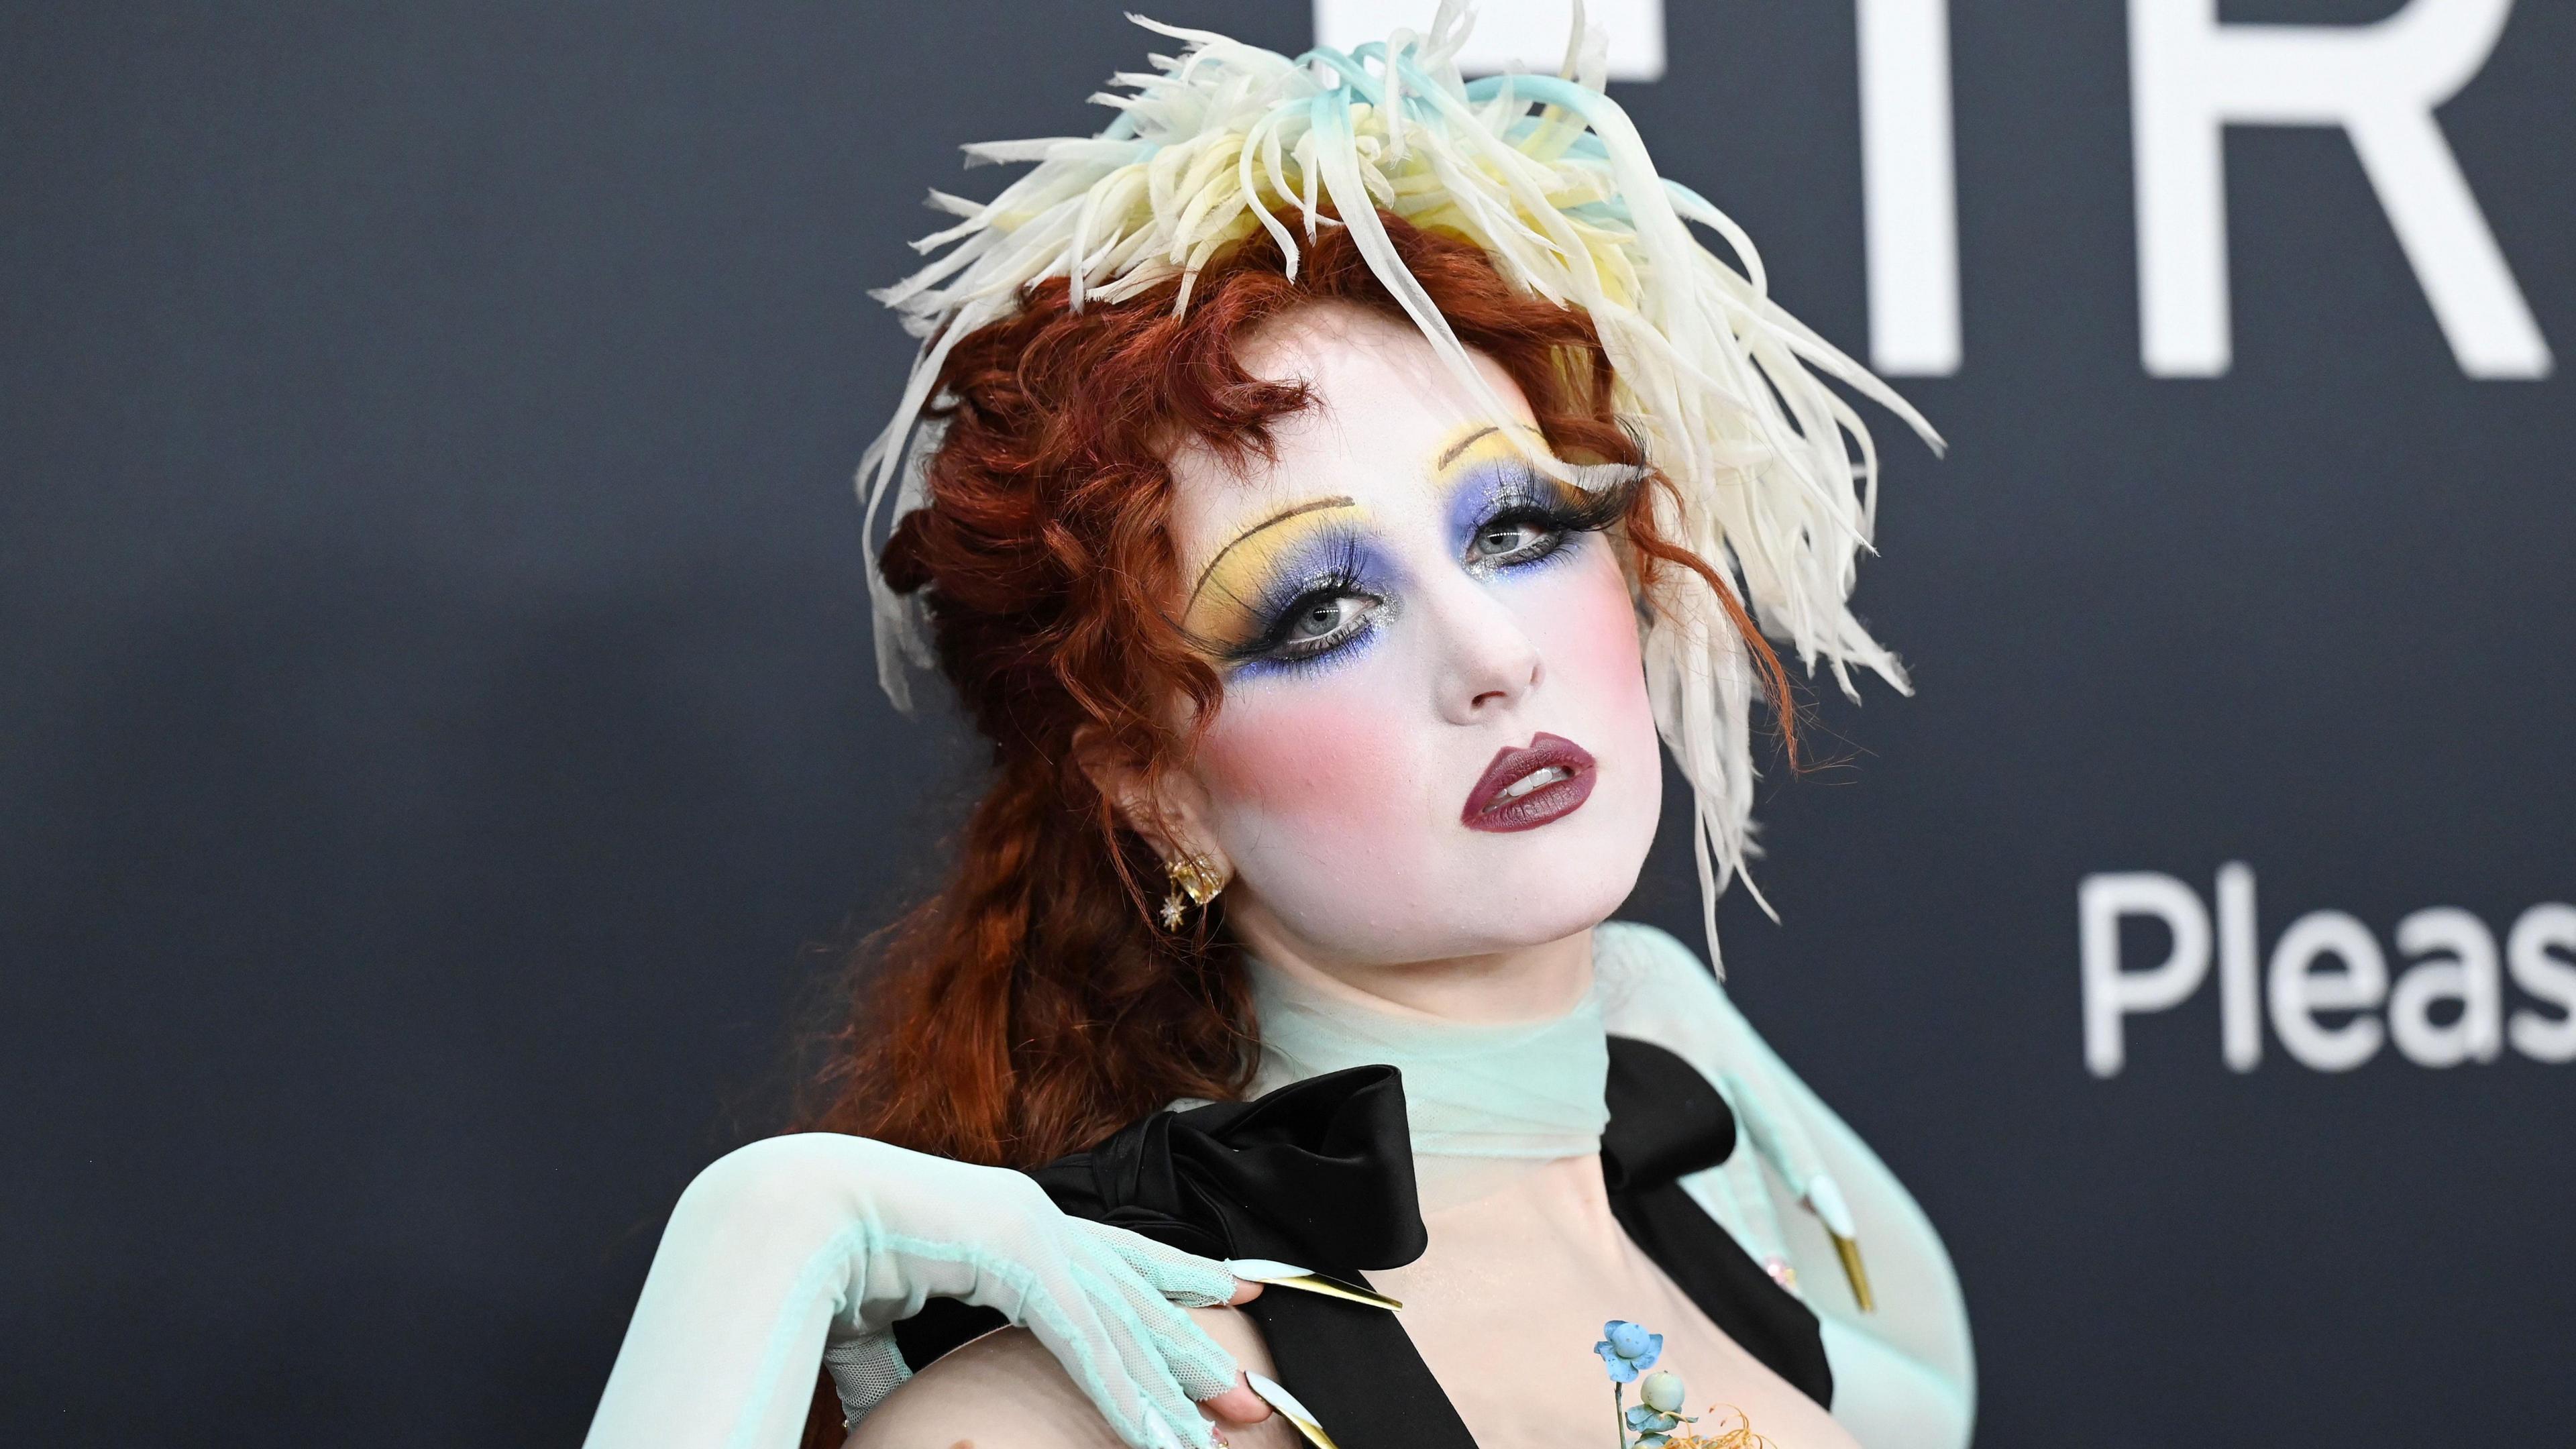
x=1526, y=1090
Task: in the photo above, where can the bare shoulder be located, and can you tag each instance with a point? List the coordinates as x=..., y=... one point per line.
x=1005, y=1391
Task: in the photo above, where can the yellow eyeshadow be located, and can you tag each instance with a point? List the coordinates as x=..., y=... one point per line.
x=1485, y=444
x=1227, y=608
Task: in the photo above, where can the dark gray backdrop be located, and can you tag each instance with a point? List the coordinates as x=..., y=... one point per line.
x=436, y=715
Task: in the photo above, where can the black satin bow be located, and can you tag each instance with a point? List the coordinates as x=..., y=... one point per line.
x=1320, y=1171
x=1320, y=1174
x=1667, y=1122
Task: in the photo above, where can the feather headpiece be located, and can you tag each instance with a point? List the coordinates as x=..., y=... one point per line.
x=1776, y=473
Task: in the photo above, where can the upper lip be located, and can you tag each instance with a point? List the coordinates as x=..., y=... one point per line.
x=1514, y=764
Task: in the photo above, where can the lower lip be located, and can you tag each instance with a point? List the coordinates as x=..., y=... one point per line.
x=1549, y=802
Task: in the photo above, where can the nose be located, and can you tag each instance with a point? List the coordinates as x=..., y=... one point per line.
x=1488, y=662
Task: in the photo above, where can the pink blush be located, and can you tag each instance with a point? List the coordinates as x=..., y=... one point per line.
x=1586, y=631
x=1338, y=757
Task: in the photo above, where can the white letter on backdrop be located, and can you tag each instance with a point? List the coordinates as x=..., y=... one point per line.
x=2552, y=978
x=2240, y=1014
x=1910, y=198
x=2460, y=966
x=2189, y=76
x=2111, y=993
x=2298, y=993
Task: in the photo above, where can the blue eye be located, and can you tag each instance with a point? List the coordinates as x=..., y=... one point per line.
x=1331, y=599
x=1517, y=536
x=1321, y=620
x=1514, y=518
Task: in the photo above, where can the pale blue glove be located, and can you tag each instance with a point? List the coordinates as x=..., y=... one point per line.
x=809, y=1248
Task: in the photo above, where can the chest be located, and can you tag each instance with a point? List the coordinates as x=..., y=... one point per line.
x=1513, y=1293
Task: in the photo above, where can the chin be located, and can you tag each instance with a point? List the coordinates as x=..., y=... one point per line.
x=1568, y=913
x=1547, y=890
x=1459, y=893
x=1514, y=916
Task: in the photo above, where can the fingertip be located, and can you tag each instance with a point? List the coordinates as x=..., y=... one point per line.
x=1245, y=1290
x=1237, y=1405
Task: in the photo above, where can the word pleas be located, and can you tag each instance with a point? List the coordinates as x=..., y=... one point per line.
x=2326, y=987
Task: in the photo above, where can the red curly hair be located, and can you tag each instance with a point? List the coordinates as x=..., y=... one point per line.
x=1033, y=1006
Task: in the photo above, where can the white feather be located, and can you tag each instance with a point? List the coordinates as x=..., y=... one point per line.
x=1776, y=472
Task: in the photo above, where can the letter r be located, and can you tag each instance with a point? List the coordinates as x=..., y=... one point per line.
x=2189, y=76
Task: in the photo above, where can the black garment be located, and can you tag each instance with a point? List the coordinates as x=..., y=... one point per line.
x=1320, y=1173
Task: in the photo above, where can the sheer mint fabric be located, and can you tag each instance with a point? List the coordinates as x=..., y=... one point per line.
x=1904, y=1375
x=1482, y=1098
x=805, y=1249
x=1522, y=1090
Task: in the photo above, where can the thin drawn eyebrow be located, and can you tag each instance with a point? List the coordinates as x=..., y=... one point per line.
x=1316, y=505
x=1463, y=444
x=1451, y=454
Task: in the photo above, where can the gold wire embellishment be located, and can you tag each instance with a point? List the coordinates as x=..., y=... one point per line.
x=1194, y=877
x=1721, y=1437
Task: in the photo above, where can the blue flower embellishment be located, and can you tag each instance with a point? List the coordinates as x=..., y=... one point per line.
x=1627, y=1350
x=1654, y=1430
x=1654, y=1420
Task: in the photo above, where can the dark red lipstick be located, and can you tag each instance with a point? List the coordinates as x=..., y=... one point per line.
x=1525, y=788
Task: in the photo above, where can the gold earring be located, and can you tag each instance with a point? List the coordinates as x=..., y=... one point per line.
x=1195, y=877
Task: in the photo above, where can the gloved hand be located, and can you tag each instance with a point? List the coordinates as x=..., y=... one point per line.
x=810, y=1247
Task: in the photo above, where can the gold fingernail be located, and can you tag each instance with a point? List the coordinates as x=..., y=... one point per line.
x=1295, y=1412
x=1848, y=1249
x=1306, y=1280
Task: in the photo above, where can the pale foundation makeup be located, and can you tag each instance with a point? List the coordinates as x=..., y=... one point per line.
x=1433, y=772
x=1435, y=755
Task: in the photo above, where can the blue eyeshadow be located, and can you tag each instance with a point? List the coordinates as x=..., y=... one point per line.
x=1510, y=485
x=1343, y=555
x=1479, y=495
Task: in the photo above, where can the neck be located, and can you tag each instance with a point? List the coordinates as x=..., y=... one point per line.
x=1515, y=1084
x=1524, y=983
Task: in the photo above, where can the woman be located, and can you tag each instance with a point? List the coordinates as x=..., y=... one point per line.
x=1333, y=481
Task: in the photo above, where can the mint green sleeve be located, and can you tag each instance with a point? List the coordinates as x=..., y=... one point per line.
x=1904, y=1373
x=803, y=1251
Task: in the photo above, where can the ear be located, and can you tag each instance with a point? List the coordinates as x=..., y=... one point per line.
x=1169, y=808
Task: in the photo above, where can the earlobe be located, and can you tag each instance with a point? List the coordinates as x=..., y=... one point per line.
x=1166, y=807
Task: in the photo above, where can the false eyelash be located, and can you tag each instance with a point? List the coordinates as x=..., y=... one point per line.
x=1577, y=509
x=1338, y=572
x=1525, y=497
x=1608, y=503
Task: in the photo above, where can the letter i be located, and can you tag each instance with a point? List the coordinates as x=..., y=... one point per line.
x=2240, y=1019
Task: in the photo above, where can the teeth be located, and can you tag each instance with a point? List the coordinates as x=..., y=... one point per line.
x=1546, y=775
